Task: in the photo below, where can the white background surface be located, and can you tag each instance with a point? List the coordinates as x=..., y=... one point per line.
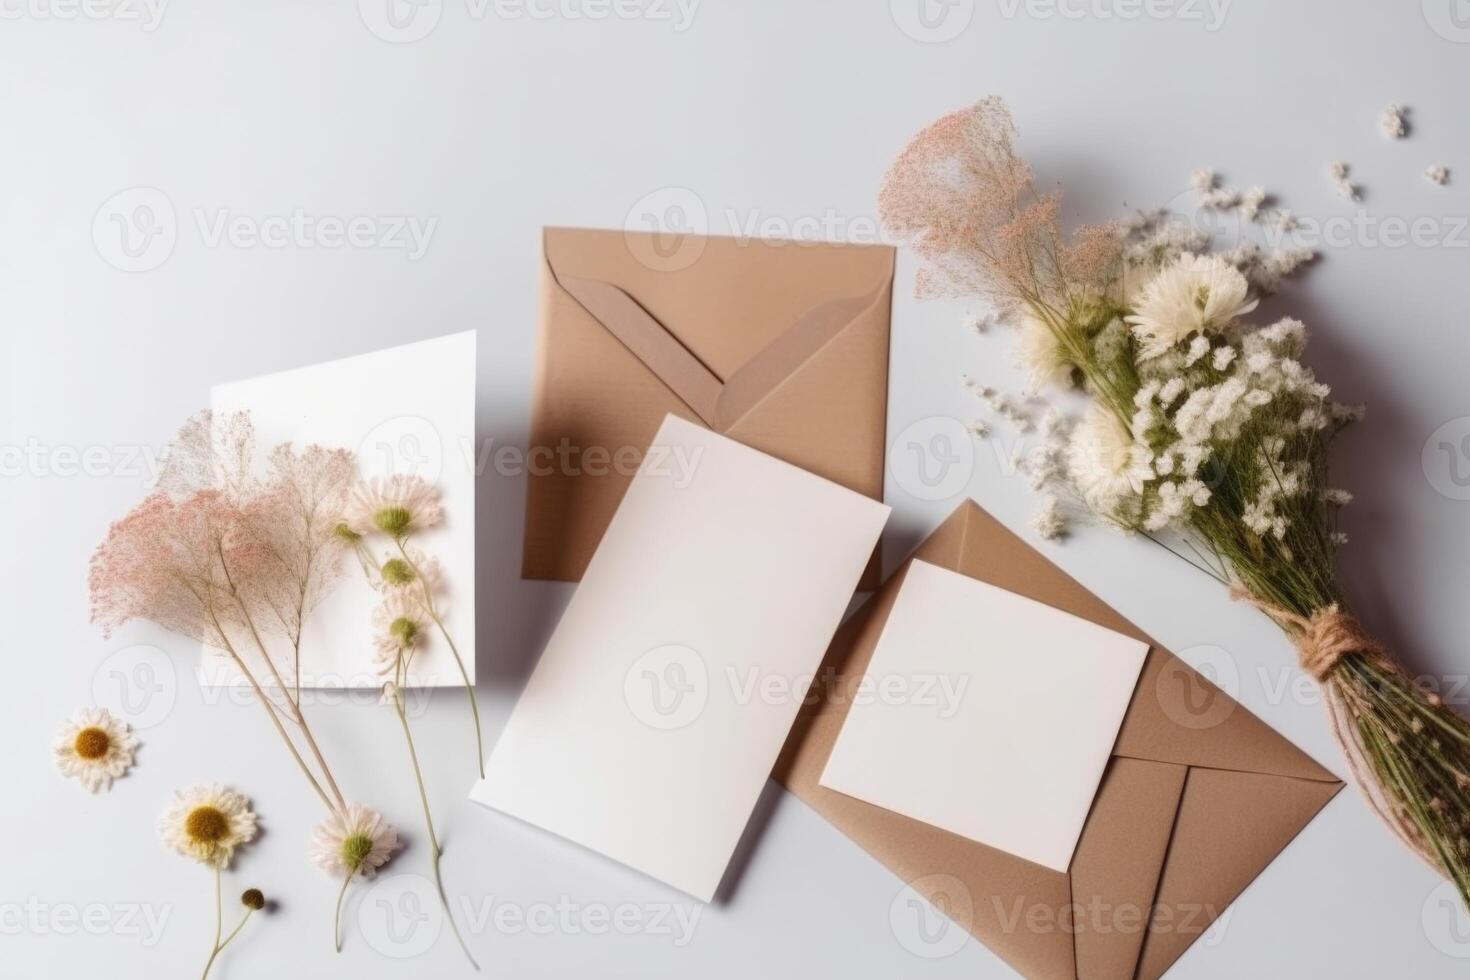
x=776, y=112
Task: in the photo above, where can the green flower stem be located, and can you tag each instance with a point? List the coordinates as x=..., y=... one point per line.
x=433, y=612
x=435, y=850
x=219, y=945
x=337, y=915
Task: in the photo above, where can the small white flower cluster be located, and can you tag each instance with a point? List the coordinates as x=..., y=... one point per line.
x=1392, y=122
x=1338, y=170
x=1266, y=270
x=1438, y=174
x=1048, y=521
x=999, y=404
x=1209, y=195
x=1155, y=241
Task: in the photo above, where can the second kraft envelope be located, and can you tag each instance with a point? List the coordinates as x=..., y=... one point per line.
x=782, y=346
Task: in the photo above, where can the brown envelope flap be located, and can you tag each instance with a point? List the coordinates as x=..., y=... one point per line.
x=1119, y=859
x=784, y=356
x=735, y=297
x=670, y=361
x=1230, y=826
x=720, y=402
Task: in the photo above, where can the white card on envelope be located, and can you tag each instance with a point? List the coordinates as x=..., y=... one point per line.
x=408, y=409
x=649, y=727
x=1012, y=754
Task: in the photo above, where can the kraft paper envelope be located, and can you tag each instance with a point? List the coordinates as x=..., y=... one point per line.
x=646, y=732
x=782, y=346
x=1199, y=796
x=407, y=409
x=1034, y=694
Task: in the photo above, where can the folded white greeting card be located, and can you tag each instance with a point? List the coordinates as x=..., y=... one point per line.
x=650, y=724
x=1014, y=759
x=405, y=410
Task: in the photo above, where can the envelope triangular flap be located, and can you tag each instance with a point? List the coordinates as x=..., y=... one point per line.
x=1229, y=738
x=1230, y=826
x=1120, y=857
x=736, y=297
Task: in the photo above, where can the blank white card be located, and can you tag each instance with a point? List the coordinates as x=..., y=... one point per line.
x=993, y=715
x=649, y=726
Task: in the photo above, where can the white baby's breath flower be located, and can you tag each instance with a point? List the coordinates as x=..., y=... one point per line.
x=1195, y=295
x=1338, y=170
x=1251, y=200
x=95, y=747
x=1198, y=348
x=1392, y=122
x=207, y=822
x=1438, y=174
x=396, y=505
x=1048, y=521
x=1222, y=357
x=979, y=429
x=1106, y=466
x=353, y=841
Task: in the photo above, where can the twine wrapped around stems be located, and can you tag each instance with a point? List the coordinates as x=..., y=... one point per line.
x=1407, y=750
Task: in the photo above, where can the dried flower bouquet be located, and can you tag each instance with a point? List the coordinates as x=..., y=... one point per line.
x=1202, y=431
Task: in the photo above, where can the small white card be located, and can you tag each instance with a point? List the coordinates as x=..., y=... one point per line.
x=1014, y=760
x=409, y=410
x=652, y=720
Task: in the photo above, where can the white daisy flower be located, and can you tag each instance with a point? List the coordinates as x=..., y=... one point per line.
x=95, y=747
x=207, y=822
x=399, y=624
x=1041, y=355
x=396, y=505
x=353, y=841
x=1195, y=294
x=406, y=574
x=1105, y=464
